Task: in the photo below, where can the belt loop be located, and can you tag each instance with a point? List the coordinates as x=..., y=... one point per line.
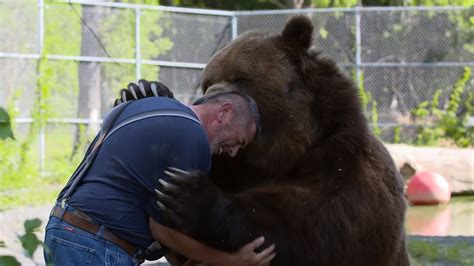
x=100, y=233
x=63, y=211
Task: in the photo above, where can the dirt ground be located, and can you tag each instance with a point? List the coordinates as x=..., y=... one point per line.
x=12, y=225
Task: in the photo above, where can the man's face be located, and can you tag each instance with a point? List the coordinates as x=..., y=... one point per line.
x=230, y=138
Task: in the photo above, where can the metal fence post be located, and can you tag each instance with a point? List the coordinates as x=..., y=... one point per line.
x=42, y=130
x=138, y=63
x=232, y=19
x=357, y=46
x=234, y=25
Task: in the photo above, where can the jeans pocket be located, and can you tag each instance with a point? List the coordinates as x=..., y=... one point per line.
x=64, y=252
x=114, y=258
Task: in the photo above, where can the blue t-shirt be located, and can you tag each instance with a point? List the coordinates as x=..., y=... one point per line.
x=118, y=189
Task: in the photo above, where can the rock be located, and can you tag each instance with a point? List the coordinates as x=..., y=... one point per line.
x=407, y=170
x=455, y=164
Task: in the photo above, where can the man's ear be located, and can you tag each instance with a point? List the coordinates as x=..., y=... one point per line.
x=225, y=113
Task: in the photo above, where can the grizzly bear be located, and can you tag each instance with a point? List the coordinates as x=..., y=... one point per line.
x=316, y=182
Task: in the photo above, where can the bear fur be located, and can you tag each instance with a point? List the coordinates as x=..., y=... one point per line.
x=316, y=182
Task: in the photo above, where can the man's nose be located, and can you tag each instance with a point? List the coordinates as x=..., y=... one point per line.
x=233, y=151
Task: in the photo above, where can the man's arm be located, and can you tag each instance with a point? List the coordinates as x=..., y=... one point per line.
x=197, y=251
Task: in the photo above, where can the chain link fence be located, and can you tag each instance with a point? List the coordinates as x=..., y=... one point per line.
x=62, y=63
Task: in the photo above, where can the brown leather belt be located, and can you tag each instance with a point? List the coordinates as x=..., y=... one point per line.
x=82, y=221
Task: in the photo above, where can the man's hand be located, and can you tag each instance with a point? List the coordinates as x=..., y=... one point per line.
x=198, y=252
x=185, y=198
x=246, y=256
x=144, y=89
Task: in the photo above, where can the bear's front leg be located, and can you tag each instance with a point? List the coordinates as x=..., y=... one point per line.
x=187, y=200
x=143, y=89
x=192, y=204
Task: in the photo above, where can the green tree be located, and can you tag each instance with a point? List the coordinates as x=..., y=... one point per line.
x=231, y=4
x=95, y=31
x=450, y=121
x=284, y=4
x=51, y=90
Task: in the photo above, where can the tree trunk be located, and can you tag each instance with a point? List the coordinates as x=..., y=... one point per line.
x=89, y=74
x=298, y=4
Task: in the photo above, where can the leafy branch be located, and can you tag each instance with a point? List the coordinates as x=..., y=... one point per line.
x=5, y=125
x=29, y=241
x=448, y=122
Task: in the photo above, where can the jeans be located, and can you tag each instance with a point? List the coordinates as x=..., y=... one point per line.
x=69, y=245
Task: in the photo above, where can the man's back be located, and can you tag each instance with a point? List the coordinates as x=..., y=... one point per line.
x=117, y=191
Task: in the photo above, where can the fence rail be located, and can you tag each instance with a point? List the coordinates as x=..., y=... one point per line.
x=400, y=55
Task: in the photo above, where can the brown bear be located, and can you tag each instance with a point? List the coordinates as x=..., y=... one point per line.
x=316, y=182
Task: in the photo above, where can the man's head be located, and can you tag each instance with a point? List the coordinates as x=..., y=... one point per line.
x=230, y=119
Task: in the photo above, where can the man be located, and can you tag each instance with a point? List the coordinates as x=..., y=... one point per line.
x=112, y=214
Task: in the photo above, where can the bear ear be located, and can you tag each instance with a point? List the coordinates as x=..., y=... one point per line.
x=298, y=32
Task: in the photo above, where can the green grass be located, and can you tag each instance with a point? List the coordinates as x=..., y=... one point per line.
x=21, y=183
x=31, y=196
x=426, y=253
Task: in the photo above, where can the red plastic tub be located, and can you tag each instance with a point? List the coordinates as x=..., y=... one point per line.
x=428, y=188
